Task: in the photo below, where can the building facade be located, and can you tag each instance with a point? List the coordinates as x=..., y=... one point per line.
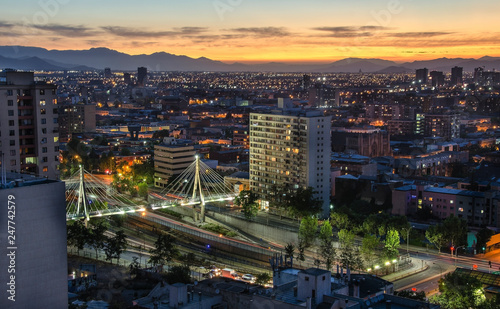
x=171, y=158
x=76, y=118
x=34, y=261
x=29, y=137
x=365, y=142
x=290, y=148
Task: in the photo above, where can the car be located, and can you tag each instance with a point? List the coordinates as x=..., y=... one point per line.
x=248, y=278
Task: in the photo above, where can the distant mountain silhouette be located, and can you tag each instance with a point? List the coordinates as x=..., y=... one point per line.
x=35, y=58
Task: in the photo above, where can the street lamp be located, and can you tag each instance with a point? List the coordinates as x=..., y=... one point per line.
x=440, y=268
x=408, y=238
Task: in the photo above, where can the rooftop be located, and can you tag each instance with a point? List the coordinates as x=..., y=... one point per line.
x=13, y=180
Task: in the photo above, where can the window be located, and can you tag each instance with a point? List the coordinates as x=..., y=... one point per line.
x=55, y=120
x=12, y=142
x=56, y=148
x=451, y=202
x=42, y=91
x=45, y=169
x=43, y=111
x=44, y=149
x=12, y=152
x=10, y=102
x=10, y=92
x=12, y=162
x=44, y=140
x=44, y=121
x=11, y=123
x=45, y=159
x=10, y=112
x=42, y=102
x=12, y=132
x=44, y=130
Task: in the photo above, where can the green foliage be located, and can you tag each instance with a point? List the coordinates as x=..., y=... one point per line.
x=248, y=201
x=326, y=232
x=96, y=237
x=301, y=248
x=219, y=230
x=143, y=189
x=171, y=213
x=302, y=203
x=436, y=236
x=340, y=220
x=289, y=250
x=412, y=295
x=369, y=245
x=164, y=251
x=346, y=238
x=307, y=230
x=115, y=246
x=77, y=234
x=178, y=274
x=263, y=278
x=392, y=244
x=455, y=231
x=459, y=291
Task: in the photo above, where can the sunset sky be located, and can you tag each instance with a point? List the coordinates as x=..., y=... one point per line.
x=260, y=31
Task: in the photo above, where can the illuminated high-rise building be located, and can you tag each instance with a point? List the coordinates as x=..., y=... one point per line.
x=29, y=138
x=289, y=147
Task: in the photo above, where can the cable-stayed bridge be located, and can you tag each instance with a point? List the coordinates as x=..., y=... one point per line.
x=87, y=196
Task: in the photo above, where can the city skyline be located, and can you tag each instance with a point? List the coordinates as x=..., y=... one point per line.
x=256, y=31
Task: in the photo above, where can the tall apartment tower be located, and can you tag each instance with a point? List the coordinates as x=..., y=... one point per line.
x=421, y=76
x=289, y=147
x=457, y=75
x=107, y=73
x=29, y=138
x=142, y=76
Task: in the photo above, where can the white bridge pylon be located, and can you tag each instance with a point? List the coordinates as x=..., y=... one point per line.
x=198, y=184
x=87, y=197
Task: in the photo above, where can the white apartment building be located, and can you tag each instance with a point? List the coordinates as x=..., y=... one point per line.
x=29, y=138
x=290, y=147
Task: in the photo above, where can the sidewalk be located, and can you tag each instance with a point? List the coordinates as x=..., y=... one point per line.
x=415, y=268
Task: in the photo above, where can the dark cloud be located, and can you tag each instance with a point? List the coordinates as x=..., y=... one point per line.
x=66, y=30
x=137, y=33
x=418, y=34
x=349, y=32
x=263, y=32
x=4, y=24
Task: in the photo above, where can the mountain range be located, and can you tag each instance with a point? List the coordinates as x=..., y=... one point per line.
x=35, y=58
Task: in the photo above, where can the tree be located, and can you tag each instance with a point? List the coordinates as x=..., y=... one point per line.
x=392, y=244
x=302, y=203
x=248, y=201
x=436, y=236
x=326, y=232
x=97, y=239
x=340, y=220
x=289, y=250
x=77, y=235
x=178, y=274
x=455, y=231
x=143, y=189
x=327, y=251
x=301, y=248
x=459, y=291
x=164, y=250
x=368, y=246
x=263, y=278
x=307, y=230
x=412, y=295
x=482, y=237
x=348, y=253
x=115, y=246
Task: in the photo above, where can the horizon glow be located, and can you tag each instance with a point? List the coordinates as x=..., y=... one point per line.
x=257, y=31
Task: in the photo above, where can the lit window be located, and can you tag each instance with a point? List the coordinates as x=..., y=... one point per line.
x=460, y=209
x=451, y=202
x=430, y=199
